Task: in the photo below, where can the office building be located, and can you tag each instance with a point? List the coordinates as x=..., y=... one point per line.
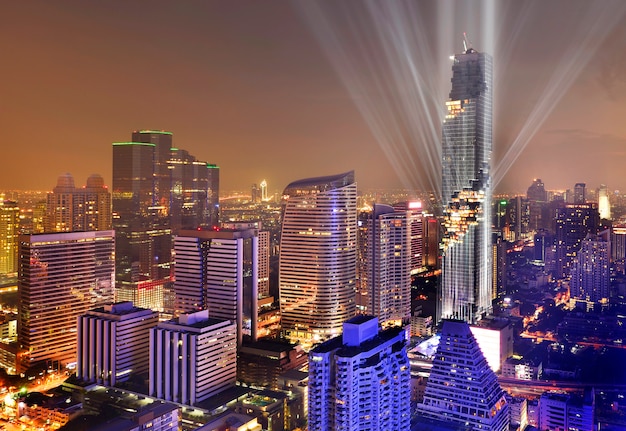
x=466, y=190
x=415, y=220
x=192, y=358
x=60, y=277
x=462, y=390
x=580, y=193
x=573, y=223
x=590, y=280
x=360, y=380
x=9, y=230
x=217, y=270
x=385, y=265
x=618, y=242
x=562, y=411
x=537, y=198
x=157, y=190
x=113, y=343
x=193, y=192
x=318, y=257
x=143, y=240
x=263, y=257
x=71, y=209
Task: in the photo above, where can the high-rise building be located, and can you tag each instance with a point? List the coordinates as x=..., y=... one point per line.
x=360, y=380
x=318, y=257
x=157, y=190
x=618, y=243
x=573, y=223
x=466, y=192
x=71, y=209
x=263, y=185
x=590, y=278
x=113, y=343
x=60, y=277
x=562, y=411
x=217, y=270
x=143, y=239
x=604, y=205
x=385, y=265
x=462, y=390
x=580, y=193
x=416, y=220
x=9, y=230
x=263, y=256
x=537, y=197
x=192, y=358
x=192, y=197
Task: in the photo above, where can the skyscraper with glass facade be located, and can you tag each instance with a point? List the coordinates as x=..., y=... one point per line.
x=157, y=191
x=318, y=257
x=466, y=193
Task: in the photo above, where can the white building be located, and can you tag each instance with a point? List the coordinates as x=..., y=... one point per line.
x=60, y=277
x=113, y=342
x=218, y=271
x=385, y=265
x=361, y=380
x=495, y=339
x=318, y=257
x=192, y=358
x=462, y=390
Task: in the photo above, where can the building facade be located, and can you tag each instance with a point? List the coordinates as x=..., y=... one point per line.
x=590, y=280
x=113, y=343
x=466, y=190
x=385, y=265
x=360, y=380
x=217, y=270
x=9, y=231
x=318, y=257
x=462, y=390
x=192, y=358
x=60, y=277
x=71, y=209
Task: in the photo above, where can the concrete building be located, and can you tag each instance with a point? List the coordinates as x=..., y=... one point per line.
x=113, y=343
x=60, y=277
x=317, y=266
x=590, y=275
x=385, y=265
x=562, y=411
x=192, y=358
x=217, y=270
x=495, y=339
x=462, y=391
x=361, y=380
x=72, y=209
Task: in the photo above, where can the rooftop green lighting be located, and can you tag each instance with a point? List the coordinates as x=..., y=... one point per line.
x=117, y=144
x=161, y=132
x=212, y=166
x=502, y=202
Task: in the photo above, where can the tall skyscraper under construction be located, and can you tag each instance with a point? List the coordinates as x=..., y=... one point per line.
x=466, y=150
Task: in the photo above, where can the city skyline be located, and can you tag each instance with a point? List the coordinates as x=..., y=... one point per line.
x=250, y=89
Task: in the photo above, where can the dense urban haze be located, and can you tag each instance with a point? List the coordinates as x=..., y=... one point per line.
x=256, y=88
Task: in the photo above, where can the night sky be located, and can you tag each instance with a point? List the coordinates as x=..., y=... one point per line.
x=255, y=87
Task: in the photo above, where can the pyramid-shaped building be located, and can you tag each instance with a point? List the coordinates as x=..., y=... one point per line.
x=462, y=391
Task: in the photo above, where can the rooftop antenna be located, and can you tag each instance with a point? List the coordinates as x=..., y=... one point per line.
x=466, y=42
